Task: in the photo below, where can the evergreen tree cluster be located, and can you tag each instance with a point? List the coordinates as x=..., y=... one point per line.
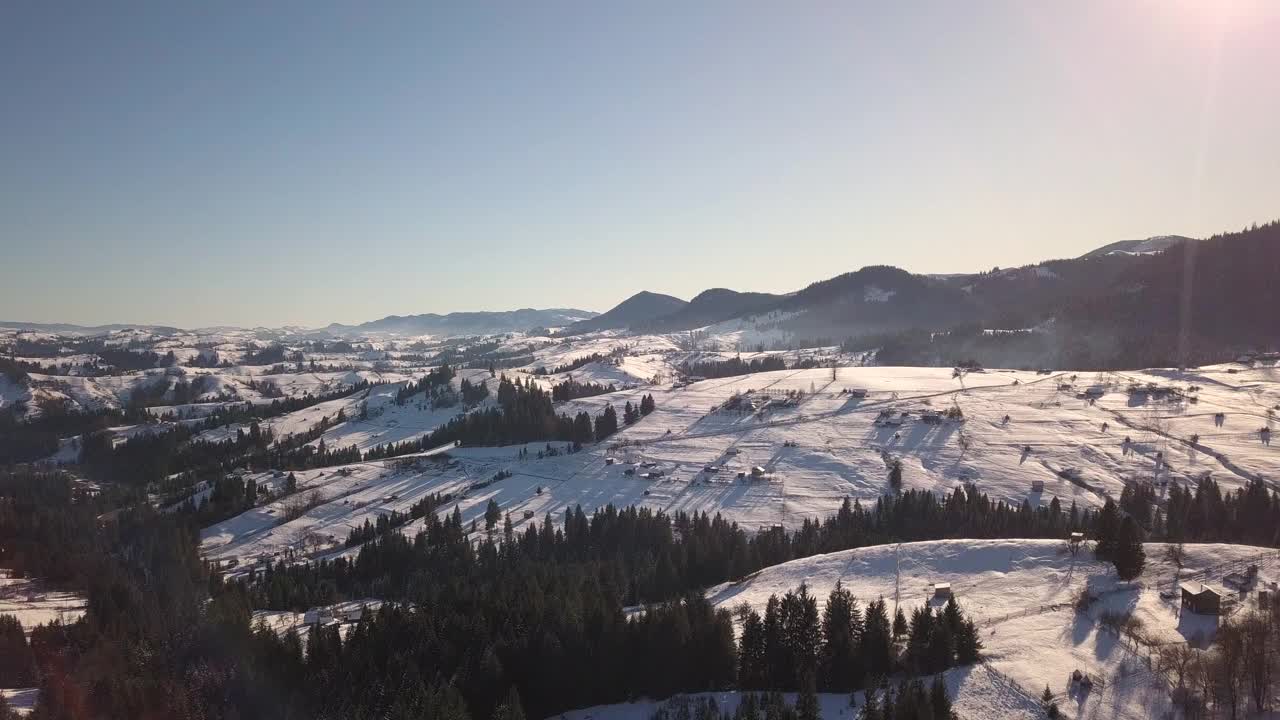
x=572, y=364
x=1119, y=540
x=17, y=662
x=570, y=389
x=841, y=650
x=434, y=381
x=473, y=393
x=733, y=366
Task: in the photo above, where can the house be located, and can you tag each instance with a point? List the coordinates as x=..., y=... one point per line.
x=942, y=590
x=608, y=461
x=1077, y=537
x=757, y=471
x=1200, y=598
x=1037, y=486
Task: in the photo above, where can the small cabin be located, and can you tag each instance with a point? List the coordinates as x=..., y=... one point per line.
x=1077, y=537
x=608, y=461
x=1200, y=598
x=757, y=471
x=1037, y=486
x=942, y=590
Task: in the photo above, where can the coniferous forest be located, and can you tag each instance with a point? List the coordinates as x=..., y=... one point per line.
x=482, y=622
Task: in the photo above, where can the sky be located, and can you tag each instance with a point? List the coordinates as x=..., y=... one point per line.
x=199, y=164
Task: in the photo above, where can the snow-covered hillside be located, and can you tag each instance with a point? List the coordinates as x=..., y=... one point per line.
x=1022, y=594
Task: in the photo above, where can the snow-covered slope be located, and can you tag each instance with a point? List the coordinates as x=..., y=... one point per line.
x=823, y=446
x=1021, y=593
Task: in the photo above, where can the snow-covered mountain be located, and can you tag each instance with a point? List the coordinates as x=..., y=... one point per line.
x=1158, y=243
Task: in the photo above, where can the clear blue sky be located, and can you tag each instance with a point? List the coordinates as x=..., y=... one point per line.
x=269, y=163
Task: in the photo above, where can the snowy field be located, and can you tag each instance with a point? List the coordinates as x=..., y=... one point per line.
x=21, y=700
x=33, y=604
x=828, y=445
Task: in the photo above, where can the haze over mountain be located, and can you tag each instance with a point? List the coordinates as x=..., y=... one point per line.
x=466, y=323
x=1125, y=295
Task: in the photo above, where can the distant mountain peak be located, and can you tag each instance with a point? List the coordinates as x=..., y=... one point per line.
x=640, y=308
x=1148, y=246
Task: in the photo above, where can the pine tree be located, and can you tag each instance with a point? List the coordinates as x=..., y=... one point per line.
x=492, y=513
x=1129, y=556
x=606, y=423
x=775, y=648
x=895, y=474
x=899, y=624
x=968, y=645
x=753, y=669
x=807, y=707
x=1107, y=531
x=647, y=405
x=877, y=640
x=840, y=632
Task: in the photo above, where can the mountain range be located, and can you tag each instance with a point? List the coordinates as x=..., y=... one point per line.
x=465, y=323
x=1149, y=299
x=1156, y=298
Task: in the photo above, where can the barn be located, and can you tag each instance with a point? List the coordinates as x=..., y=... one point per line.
x=1200, y=598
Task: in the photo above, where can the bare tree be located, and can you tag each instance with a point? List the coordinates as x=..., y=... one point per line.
x=1226, y=669
x=1259, y=662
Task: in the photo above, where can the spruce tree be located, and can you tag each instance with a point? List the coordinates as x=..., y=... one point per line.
x=899, y=624
x=492, y=513
x=753, y=668
x=840, y=633
x=1129, y=556
x=807, y=707
x=877, y=640
x=1107, y=531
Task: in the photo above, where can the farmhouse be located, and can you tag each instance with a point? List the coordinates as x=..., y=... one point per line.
x=1200, y=598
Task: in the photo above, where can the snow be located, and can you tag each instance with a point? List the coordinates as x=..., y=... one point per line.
x=818, y=452
x=873, y=294
x=33, y=604
x=982, y=695
x=1021, y=594
x=21, y=700
x=345, y=615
